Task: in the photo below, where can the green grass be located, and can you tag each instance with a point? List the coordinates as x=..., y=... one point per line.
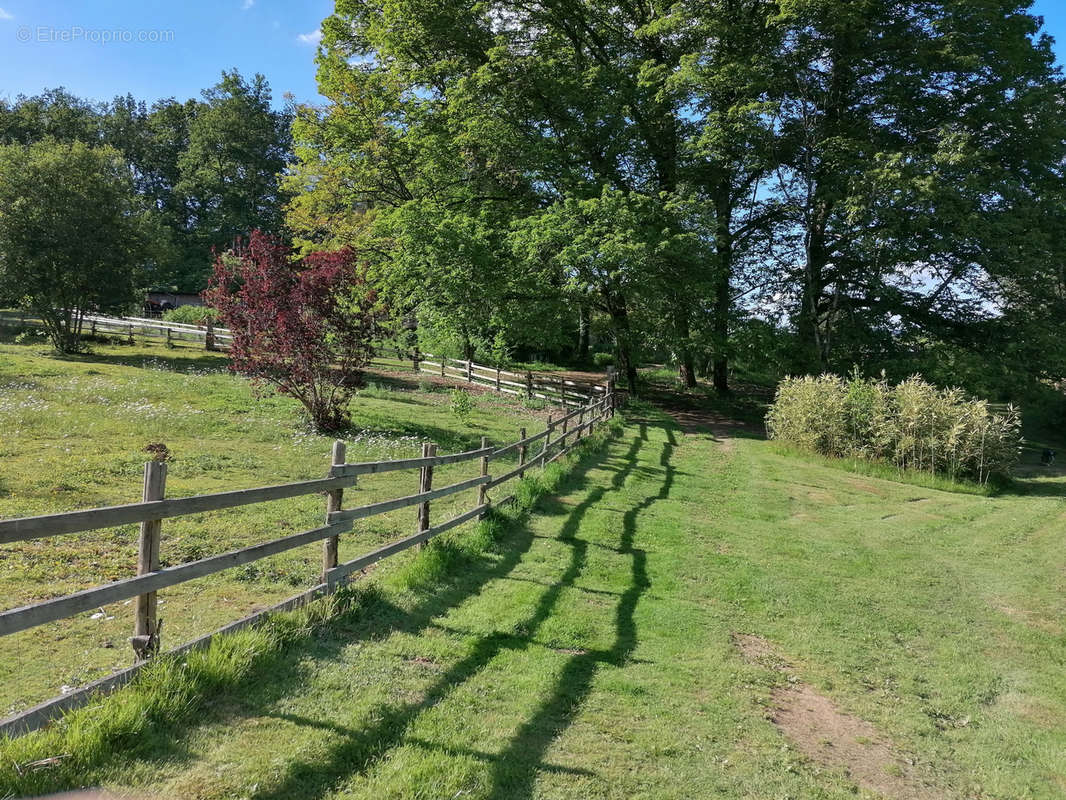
x=74, y=433
x=587, y=651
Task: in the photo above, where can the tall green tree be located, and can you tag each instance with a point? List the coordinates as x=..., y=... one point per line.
x=910, y=133
x=74, y=235
x=502, y=110
x=209, y=169
x=230, y=168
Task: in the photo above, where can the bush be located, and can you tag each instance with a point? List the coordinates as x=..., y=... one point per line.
x=305, y=329
x=462, y=404
x=913, y=425
x=602, y=360
x=191, y=315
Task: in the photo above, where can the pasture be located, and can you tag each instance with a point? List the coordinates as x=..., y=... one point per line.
x=74, y=433
x=691, y=612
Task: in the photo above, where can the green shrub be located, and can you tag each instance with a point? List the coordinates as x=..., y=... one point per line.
x=602, y=360
x=462, y=404
x=191, y=315
x=913, y=425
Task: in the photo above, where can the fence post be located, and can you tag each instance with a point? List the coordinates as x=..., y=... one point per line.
x=562, y=394
x=580, y=423
x=547, y=442
x=416, y=359
x=522, y=448
x=93, y=330
x=334, y=499
x=498, y=381
x=425, y=484
x=169, y=342
x=130, y=334
x=482, y=490
x=209, y=335
x=529, y=385
x=146, y=626
x=442, y=365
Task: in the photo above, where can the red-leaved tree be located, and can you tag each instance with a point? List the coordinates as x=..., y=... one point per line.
x=306, y=328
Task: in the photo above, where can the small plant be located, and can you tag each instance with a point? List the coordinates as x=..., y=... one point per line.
x=191, y=315
x=158, y=452
x=29, y=335
x=462, y=405
x=602, y=360
x=306, y=329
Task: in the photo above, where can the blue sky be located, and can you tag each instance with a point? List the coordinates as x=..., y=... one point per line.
x=186, y=45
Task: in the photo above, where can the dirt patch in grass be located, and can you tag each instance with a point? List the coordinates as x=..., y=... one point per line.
x=868, y=488
x=830, y=737
x=1030, y=618
x=822, y=497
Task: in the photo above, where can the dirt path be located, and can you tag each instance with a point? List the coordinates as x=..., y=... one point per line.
x=831, y=737
x=694, y=414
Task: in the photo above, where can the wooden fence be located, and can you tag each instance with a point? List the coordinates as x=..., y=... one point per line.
x=212, y=337
x=554, y=389
x=559, y=436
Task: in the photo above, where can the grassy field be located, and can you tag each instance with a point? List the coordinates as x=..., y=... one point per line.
x=686, y=615
x=73, y=436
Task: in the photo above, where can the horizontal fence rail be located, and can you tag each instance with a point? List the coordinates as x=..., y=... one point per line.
x=559, y=436
x=210, y=335
x=26, y=528
x=543, y=386
x=374, y=467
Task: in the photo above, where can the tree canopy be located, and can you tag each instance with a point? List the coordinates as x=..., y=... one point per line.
x=74, y=236
x=877, y=177
x=207, y=169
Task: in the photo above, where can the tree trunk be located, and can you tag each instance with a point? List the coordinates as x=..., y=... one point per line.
x=723, y=294
x=722, y=302
x=623, y=345
x=814, y=353
x=686, y=367
x=582, y=332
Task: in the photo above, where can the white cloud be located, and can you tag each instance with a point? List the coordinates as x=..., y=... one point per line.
x=314, y=37
x=6, y=14
x=247, y=4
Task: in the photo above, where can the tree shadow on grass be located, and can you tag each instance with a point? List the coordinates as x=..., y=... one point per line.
x=516, y=768
x=1034, y=488
x=279, y=672
x=358, y=750
x=165, y=360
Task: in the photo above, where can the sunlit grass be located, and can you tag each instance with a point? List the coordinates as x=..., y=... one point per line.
x=74, y=431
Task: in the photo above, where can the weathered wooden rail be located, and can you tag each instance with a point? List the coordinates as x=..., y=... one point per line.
x=553, y=389
x=155, y=508
x=212, y=337
x=544, y=386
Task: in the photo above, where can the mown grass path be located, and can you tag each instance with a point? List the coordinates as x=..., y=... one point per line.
x=593, y=653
